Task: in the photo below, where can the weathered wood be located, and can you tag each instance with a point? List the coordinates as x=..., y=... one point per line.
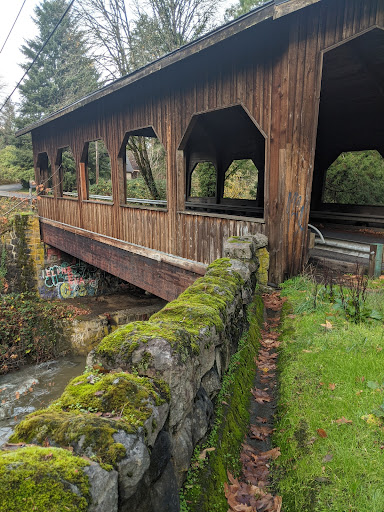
x=275, y=70
x=158, y=277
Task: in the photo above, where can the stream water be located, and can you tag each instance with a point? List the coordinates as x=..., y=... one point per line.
x=34, y=387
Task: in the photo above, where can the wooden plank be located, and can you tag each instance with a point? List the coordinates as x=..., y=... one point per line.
x=158, y=277
x=288, y=7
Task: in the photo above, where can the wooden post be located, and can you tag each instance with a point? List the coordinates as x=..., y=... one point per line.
x=97, y=162
x=375, y=260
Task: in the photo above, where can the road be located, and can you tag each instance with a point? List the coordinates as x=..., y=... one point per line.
x=11, y=191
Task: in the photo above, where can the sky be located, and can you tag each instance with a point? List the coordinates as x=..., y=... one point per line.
x=11, y=57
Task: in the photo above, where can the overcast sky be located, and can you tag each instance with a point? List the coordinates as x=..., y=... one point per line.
x=10, y=57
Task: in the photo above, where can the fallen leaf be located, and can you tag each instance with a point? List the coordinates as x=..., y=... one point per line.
x=203, y=454
x=343, y=420
x=321, y=432
x=328, y=457
x=332, y=386
x=17, y=395
x=327, y=325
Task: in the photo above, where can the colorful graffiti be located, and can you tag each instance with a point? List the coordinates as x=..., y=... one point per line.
x=71, y=280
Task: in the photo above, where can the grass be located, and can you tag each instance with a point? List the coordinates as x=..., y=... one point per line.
x=329, y=372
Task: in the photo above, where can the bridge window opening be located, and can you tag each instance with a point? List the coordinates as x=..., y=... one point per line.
x=355, y=178
x=241, y=180
x=45, y=176
x=204, y=181
x=66, y=173
x=348, y=179
x=144, y=165
x=234, y=147
x=97, y=171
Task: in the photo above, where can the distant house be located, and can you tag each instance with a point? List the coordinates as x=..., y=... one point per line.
x=132, y=167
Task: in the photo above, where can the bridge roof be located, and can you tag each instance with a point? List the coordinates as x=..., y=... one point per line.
x=272, y=9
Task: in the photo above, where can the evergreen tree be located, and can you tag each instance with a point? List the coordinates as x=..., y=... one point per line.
x=63, y=72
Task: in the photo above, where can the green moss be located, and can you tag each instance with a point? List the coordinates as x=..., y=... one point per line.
x=69, y=428
x=204, y=488
x=203, y=305
x=126, y=395
x=41, y=479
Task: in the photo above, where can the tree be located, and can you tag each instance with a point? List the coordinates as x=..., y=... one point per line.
x=242, y=7
x=356, y=178
x=7, y=125
x=63, y=72
x=120, y=45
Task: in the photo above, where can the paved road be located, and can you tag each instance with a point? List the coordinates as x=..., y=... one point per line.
x=11, y=191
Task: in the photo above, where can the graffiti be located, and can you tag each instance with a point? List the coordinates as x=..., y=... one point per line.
x=71, y=280
x=295, y=210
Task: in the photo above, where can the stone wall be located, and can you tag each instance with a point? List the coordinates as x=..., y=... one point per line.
x=31, y=265
x=148, y=399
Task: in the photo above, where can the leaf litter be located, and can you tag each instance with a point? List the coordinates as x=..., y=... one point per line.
x=252, y=492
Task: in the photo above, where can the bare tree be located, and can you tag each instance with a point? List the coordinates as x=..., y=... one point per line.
x=121, y=45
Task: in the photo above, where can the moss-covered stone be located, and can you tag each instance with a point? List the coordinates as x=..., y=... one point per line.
x=204, y=488
x=128, y=396
x=181, y=323
x=94, y=434
x=43, y=479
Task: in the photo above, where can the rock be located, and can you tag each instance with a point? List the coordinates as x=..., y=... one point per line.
x=155, y=422
x=104, y=488
x=133, y=466
x=165, y=492
x=202, y=416
x=182, y=449
x=211, y=382
x=160, y=456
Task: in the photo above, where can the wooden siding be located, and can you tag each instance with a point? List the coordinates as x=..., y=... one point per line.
x=274, y=71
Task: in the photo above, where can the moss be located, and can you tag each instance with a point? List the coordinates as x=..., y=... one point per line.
x=204, y=488
x=43, y=479
x=69, y=428
x=202, y=306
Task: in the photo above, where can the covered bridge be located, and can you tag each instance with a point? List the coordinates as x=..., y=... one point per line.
x=288, y=86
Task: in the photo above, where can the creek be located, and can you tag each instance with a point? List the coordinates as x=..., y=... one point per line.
x=34, y=387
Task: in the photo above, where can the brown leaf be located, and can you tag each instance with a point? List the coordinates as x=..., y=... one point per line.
x=343, y=420
x=17, y=395
x=272, y=454
x=328, y=326
x=322, y=433
x=261, y=420
x=332, y=386
x=203, y=454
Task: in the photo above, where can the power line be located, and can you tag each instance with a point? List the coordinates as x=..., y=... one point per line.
x=37, y=55
x=14, y=23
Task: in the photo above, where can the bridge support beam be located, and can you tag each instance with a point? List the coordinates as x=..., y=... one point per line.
x=162, y=278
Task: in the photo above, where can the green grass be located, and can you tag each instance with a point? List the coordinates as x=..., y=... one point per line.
x=349, y=356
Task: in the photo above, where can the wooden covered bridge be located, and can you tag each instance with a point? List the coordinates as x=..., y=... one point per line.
x=288, y=86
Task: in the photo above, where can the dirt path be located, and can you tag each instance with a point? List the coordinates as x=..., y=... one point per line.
x=251, y=492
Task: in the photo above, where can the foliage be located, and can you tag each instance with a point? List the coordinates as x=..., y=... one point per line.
x=7, y=124
x=242, y=7
x=330, y=436
x=103, y=188
x=241, y=179
x=203, y=180
x=15, y=165
x=29, y=329
x=356, y=178
x=54, y=81
x=43, y=479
